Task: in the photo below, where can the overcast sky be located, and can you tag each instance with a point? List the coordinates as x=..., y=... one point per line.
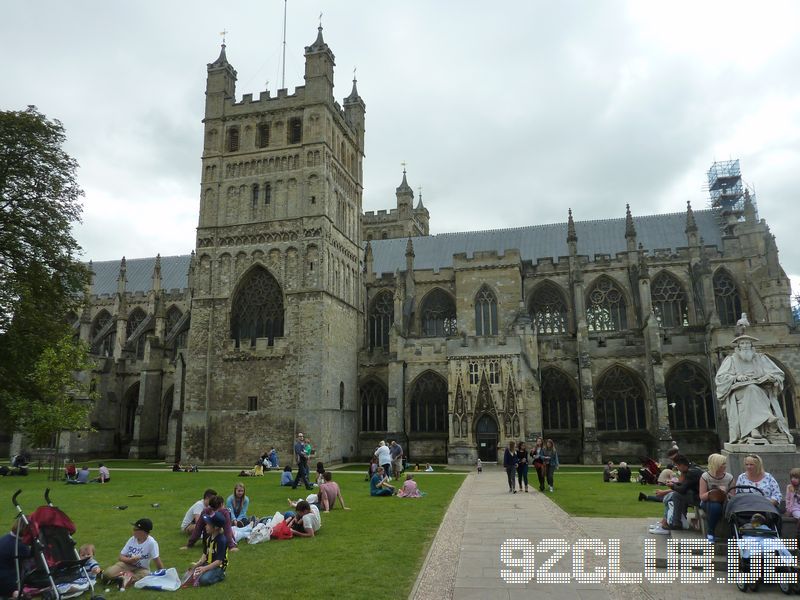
x=505, y=113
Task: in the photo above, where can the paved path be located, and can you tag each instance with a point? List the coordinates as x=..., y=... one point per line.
x=464, y=560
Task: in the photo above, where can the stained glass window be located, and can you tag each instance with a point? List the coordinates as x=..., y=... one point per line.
x=485, y=312
x=174, y=315
x=257, y=309
x=381, y=317
x=620, y=402
x=429, y=404
x=669, y=301
x=605, y=309
x=134, y=320
x=438, y=314
x=689, y=398
x=374, y=403
x=559, y=401
x=729, y=306
x=548, y=310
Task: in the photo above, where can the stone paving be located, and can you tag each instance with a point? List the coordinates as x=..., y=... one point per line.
x=464, y=561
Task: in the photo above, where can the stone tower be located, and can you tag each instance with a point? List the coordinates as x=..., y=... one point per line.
x=276, y=284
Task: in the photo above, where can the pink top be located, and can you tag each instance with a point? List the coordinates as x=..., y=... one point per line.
x=792, y=502
x=409, y=490
x=328, y=491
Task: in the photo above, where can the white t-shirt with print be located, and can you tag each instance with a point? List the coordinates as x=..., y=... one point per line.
x=194, y=510
x=312, y=520
x=145, y=551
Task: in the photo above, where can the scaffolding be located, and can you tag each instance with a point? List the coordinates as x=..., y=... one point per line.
x=728, y=193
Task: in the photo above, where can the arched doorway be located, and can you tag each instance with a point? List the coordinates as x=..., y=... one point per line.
x=486, y=435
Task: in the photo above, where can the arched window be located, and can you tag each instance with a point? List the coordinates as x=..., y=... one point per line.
x=374, y=402
x=381, y=317
x=620, y=402
x=429, y=404
x=233, y=139
x=100, y=321
x=263, y=135
x=438, y=314
x=605, y=310
x=729, y=307
x=548, y=309
x=485, y=312
x=559, y=401
x=131, y=404
x=104, y=347
x=134, y=320
x=174, y=315
x=257, y=309
x=295, y=130
x=669, y=301
x=689, y=398
x=254, y=195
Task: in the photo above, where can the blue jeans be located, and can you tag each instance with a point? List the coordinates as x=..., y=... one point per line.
x=522, y=474
x=213, y=576
x=714, y=512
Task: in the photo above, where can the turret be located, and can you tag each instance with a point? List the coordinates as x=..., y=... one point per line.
x=422, y=215
x=220, y=85
x=405, y=198
x=319, y=70
x=630, y=229
x=354, y=110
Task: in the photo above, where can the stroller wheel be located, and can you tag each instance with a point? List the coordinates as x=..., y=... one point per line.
x=786, y=588
x=743, y=587
x=794, y=588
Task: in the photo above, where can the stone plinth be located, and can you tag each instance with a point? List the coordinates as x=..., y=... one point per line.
x=778, y=459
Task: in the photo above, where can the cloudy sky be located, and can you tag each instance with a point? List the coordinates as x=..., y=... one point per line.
x=505, y=116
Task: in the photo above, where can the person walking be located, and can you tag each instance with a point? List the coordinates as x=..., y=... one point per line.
x=396, y=452
x=510, y=464
x=538, y=462
x=550, y=458
x=302, y=462
x=522, y=466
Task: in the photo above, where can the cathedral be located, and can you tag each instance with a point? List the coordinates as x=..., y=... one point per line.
x=298, y=311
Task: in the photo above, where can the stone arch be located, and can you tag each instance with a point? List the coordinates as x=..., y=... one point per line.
x=689, y=389
x=607, y=305
x=437, y=311
x=620, y=400
x=549, y=308
x=669, y=300
x=428, y=406
x=727, y=299
x=257, y=308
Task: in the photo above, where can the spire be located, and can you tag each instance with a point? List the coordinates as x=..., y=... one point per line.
x=749, y=208
x=319, y=44
x=420, y=206
x=691, y=224
x=404, y=187
x=122, y=280
x=630, y=229
x=572, y=237
x=353, y=97
x=410, y=248
x=222, y=59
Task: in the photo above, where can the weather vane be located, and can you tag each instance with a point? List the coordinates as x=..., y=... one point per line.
x=223, y=33
x=404, y=166
x=354, y=73
x=320, y=20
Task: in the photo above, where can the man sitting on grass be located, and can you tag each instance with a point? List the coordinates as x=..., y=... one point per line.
x=379, y=484
x=306, y=520
x=195, y=510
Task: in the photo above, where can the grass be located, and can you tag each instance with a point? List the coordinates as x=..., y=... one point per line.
x=583, y=494
x=378, y=536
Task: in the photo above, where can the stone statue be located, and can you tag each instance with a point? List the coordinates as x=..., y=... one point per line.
x=748, y=387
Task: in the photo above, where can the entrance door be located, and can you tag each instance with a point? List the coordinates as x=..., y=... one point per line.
x=486, y=436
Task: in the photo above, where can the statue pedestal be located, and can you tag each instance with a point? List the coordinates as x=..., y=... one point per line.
x=778, y=459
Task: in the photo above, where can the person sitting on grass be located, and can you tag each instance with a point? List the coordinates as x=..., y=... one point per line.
x=306, y=520
x=81, y=477
x=312, y=499
x=91, y=565
x=135, y=556
x=379, y=484
x=210, y=569
x=428, y=468
x=12, y=550
x=71, y=471
x=237, y=503
x=194, y=512
x=623, y=473
x=104, y=476
x=409, y=489
x=216, y=505
x=286, y=476
x=329, y=491
x=320, y=473
x=609, y=472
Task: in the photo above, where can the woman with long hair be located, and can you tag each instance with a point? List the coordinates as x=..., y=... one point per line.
x=510, y=465
x=550, y=458
x=538, y=462
x=522, y=465
x=237, y=503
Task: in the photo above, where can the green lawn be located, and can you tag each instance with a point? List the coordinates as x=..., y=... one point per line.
x=380, y=542
x=583, y=494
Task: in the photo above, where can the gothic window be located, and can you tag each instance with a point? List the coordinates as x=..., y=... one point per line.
x=267, y=193
x=689, y=398
x=174, y=315
x=263, y=135
x=485, y=312
x=233, y=139
x=669, y=301
x=374, y=403
x=381, y=317
x=729, y=306
x=134, y=320
x=295, y=130
x=606, y=307
x=619, y=402
x=255, y=194
x=257, y=309
x=131, y=404
x=474, y=374
x=104, y=347
x=559, y=401
x=438, y=314
x=429, y=404
x=100, y=321
x=494, y=372
x=548, y=310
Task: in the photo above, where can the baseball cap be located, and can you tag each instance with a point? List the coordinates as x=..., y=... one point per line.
x=217, y=520
x=144, y=525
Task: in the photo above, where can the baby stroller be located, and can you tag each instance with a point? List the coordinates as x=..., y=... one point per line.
x=648, y=474
x=754, y=542
x=55, y=570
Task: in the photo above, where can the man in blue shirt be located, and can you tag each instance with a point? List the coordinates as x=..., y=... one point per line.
x=302, y=462
x=11, y=547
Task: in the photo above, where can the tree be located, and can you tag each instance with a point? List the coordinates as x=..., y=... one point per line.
x=41, y=279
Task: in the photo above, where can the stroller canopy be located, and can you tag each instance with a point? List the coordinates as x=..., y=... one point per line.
x=747, y=502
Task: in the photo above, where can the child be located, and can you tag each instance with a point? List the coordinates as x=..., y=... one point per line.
x=135, y=556
x=793, y=494
x=92, y=566
x=286, y=476
x=409, y=489
x=480, y=466
x=210, y=569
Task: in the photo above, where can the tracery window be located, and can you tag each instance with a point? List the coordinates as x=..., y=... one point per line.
x=559, y=401
x=619, y=403
x=233, y=139
x=689, y=390
x=429, y=404
x=485, y=312
x=257, y=310
x=174, y=315
x=473, y=373
x=100, y=321
x=669, y=301
x=548, y=310
x=263, y=135
x=729, y=306
x=381, y=318
x=104, y=347
x=295, y=130
x=134, y=320
x=374, y=403
x=438, y=315
x=606, y=309
x=494, y=372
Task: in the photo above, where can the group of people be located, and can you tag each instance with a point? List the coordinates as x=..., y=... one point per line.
x=621, y=474
x=517, y=460
x=75, y=476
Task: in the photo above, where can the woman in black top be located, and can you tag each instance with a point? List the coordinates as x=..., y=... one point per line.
x=510, y=465
x=522, y=465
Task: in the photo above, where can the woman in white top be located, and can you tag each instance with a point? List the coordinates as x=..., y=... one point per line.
x=755, y=476
x=384, y=456
x=714, y=486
